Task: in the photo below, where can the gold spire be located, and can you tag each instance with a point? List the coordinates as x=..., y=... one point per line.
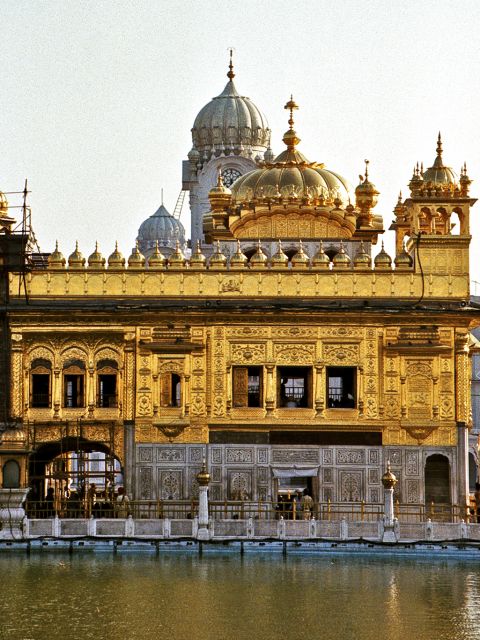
x=290, y=137
x=230, y=74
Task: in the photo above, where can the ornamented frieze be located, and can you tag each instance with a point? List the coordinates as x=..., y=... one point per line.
x=350, y=456
x=237, y=455
x=294, y=354
x=251, y=353
x=295, y=455
x=174, y=454
x=341, y=354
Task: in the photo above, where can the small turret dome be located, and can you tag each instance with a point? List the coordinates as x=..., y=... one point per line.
x=404, y=259
x=218, y=259
x=156, y=260
x=438, y=175
x=238, y=260
x=229, y=123
x=197, y=259
x=362, y=259
x=279, y=259
x=96, y=260
x=136, y=259
x=259, y=259
x=320, y=259
x=383, y=260
x=177, y=259
x=161, y=227
x=116, y=259
x=76, y=259
x=341, y=259
x=56, y=259
x=300, y=259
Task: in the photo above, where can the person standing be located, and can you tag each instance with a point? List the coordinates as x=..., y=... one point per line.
x=122, y=504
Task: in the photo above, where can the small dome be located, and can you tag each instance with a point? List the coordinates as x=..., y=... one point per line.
x=438, y=175
x=219, y=195
x=177, y=259
x=404, y=259
x=76, y=259
x=116, y=259
x=320, y=259
x=383, y=260
x=56, y=259
x=279, y=259
x=217, y=259
x=136, y=260
x=14, y=437
x=300, y=259
x=238, y=260
x=96, y=260
x=362, y=259
x=259, y=259
x=229, y=123
x=156, y=260
x=161, y=227
x=197, y=259
x=341, y=259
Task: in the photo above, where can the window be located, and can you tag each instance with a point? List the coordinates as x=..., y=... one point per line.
x=73, y=384
x=294, y=387
x=171, y=390
x=40, y=384
x=341, y=387
x=107, y=390
x=247, y=387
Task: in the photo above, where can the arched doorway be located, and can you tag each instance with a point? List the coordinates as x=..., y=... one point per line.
x=11, y=475
x=437, y=480
x=72, y=475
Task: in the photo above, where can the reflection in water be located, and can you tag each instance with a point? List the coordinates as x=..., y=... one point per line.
x=180, y=596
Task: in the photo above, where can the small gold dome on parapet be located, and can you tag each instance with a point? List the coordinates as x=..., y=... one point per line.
x=96, y=260
x=341, y=260
x=362, y=260
x=177, y=259
x=197, y=259
x=300, y=259
x=76, y=259
x=238, y=260
x=279, y=259
x=259, y=259
x=116, y=259
x=389, y=479
x=320, y=260
x=217, y=260
x=383, y=260
x=13, y=438
x=220, y=195
x=366, y=197
x=56, y=259
x=404, y=259
x=157, y=260
x=136, y=259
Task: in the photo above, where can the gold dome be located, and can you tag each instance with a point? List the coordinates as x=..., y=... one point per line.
x=279, y=259
x=96, y=260
x=177, y=259
x=116, y=259
x=320, y=259
x=341, y=259
x=259, y=259
x=291, y=175
x=300, y=259
x=203, y=478
x=438, y=175
x=389, y=479
x=14, y=438
x=238, y=260
x=76, y=259
x=136, y=259
x=218, y=260
x=56, y=259
x=197, y=259
x=366, y=198
x=156, y=260
x=404, y=259
x=383, y=260
x=362, y=260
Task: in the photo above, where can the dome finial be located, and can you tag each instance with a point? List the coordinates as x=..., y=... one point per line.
x=290, y=137
x=291, y=105
x=231, y=74
x=366, y=169
x=439, y=144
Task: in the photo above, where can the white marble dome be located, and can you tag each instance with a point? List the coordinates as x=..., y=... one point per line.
x=161, y=227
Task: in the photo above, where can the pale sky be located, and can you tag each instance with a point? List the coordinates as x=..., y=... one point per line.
x=98, y=98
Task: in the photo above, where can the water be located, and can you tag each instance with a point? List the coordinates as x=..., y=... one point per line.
x=180, y=596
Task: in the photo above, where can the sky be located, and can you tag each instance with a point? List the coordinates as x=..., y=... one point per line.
x=98, y=98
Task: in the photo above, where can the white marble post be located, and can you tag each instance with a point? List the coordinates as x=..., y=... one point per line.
x=389, y=481
x=12, y=513
x=203, y=478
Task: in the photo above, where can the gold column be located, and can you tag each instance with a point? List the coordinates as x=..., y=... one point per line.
x=319, y=390
x=462, y=400
x=270, y=389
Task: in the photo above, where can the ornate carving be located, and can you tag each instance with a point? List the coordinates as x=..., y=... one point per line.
x=342, y=331
x=327, y=456
x=262, y=475
x=350, y=486
x=171, y=430
x=196, y=454
x=373, y=476
x=253, y=353
x=171, y=366
x=328, y=475
x=144, y=406
x=446, y=407
x=145, y=454
x=166, y=454
x=413, y=492
x=216, y=456
x=216, y=473
x=239, y=455
x=392, y=407
x=350, y=456
x=170, y=485
x=229, y=286
x=373, y=456
x=198, y=406
x=295, y=455
x=341, y=354
x=411, y=463
x=262, y=456
x=294, y=353
x=146, y=483
x=419, y=433
x=239, y=484
x=394, y=456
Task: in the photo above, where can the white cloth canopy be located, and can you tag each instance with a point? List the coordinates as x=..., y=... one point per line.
x=295, y=472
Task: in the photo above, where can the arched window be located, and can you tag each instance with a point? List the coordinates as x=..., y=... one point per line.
x=11, y=475
x=437, y=479
x=107, y=391
x=40, y=383
x=74, y=384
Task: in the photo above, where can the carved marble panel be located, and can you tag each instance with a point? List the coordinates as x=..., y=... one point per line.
x=350, y=456
x=327, y=456
x=327, y=494
x=328, y=475
x=195, y=454
x=295, y=455
x=239, y=483
x=262, y=456
x=351, y=485
x=394, y=456
x=171, y=454
x=411, y=463
x=413, y=492
x=373, y=456
x=239, y=455
x=216, y=474
x=192, y=482
x=216, y=456
x=170, y=484
x=263, y=493
x=145, y=483
x=374, y=495
x=145, y=454
x=373, y=476
x=263, y=475
x=215, y=492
